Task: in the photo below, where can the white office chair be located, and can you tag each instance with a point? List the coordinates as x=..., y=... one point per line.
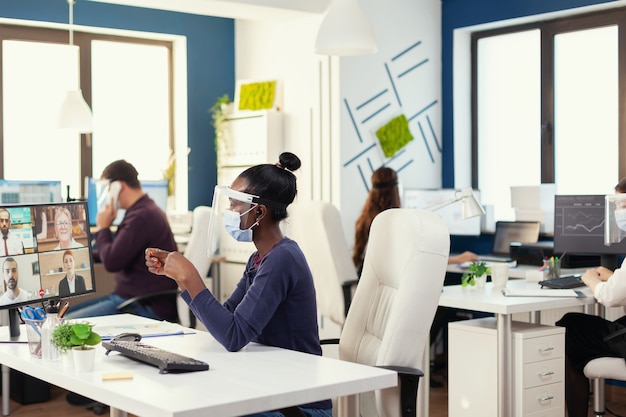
x=389, y=320
x=316, y=227
x=598, y=370
x=195, y=251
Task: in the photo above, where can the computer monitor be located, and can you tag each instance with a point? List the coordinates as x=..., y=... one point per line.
x=38, y=266
x=579, y=223
x=508, y=232
x=96, y=196
x=29, y=192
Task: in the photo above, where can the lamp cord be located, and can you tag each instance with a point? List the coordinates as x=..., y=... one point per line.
x=71, y=20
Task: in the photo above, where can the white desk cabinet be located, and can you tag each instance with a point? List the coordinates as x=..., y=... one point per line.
x=538, y=355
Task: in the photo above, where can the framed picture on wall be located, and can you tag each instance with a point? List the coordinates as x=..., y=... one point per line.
x=254, y=95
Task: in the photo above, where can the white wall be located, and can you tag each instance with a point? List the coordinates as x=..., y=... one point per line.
x=406, y=72
x=283, y=50
x=339, y=155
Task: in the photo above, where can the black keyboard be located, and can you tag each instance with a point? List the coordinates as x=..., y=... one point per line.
x=163, y=359
x=565, y=282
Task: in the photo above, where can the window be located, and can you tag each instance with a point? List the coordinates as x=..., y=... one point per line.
x=546, y=107
x=128, y=83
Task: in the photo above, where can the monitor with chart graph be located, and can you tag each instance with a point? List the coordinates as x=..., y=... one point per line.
x=579, y=226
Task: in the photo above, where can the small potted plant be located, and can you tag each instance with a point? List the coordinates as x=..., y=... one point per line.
x=79, y=338
x=476, y=274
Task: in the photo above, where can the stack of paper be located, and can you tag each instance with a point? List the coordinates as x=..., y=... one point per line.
x=542, y=292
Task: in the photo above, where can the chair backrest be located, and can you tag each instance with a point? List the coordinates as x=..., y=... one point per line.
x=316, y=227
x=395, y=302
x=196, y=252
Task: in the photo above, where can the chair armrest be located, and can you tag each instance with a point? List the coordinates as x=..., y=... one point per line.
x=126, y=306
x=409, y=382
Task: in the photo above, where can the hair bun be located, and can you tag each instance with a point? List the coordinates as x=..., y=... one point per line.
x=289, y=161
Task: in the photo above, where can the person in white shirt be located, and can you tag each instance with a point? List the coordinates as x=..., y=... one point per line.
x=11, y=244
x=12, y=293
x=585, y=333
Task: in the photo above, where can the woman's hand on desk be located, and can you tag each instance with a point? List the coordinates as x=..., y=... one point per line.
x=604, y=273
x=175, y=266
x=594, y=276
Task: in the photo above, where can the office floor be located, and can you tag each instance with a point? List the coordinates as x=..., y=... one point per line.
x=58, y=406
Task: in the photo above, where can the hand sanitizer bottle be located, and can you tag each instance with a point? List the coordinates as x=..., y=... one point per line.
x=48, y=350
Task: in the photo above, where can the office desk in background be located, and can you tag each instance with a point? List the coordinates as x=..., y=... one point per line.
x=493, y=301
x=518, y=271
x=255, y=379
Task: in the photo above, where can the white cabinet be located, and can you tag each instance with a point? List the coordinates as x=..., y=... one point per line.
x=538, y=380
x=249, y=138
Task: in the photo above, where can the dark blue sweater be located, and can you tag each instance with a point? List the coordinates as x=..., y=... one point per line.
x=273, y=304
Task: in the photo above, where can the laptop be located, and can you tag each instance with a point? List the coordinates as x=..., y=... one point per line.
x=508, y=232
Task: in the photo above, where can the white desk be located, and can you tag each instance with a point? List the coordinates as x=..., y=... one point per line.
x=491, y=301
x=257, y=378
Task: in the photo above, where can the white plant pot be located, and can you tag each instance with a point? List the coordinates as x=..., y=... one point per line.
x=68, y=360
x=480, y=281
x=84, y=359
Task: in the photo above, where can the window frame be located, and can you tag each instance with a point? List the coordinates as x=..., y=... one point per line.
x=548, y=29
x=83, y=40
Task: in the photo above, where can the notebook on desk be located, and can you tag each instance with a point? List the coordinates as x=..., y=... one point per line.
x=508, y=232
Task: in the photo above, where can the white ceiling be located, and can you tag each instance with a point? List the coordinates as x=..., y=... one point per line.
x=236, y=9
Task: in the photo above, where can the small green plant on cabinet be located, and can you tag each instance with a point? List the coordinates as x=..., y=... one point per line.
x=476, y=269
x=67, y=335
x=219, y=111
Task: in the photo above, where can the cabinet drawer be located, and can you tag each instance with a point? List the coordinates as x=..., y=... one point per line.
x=544, y=397
x=544, y=372
x=542, y=348
x=551, y=412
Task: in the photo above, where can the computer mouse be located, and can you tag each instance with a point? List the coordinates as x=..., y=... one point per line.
x=136, y=337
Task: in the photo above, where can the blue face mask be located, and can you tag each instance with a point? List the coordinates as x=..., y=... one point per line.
x=232, y=220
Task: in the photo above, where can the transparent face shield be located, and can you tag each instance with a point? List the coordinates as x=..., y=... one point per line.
x=233, y=216
x=614, y=218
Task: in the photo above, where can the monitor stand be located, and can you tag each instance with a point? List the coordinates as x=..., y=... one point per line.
x=609, y=261
x=14, y=323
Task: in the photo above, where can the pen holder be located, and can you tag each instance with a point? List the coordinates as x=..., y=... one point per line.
x=33, y=333
x=553, y=267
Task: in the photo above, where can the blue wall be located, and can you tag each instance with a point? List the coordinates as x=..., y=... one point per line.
x=210, y=65
x=461, y=13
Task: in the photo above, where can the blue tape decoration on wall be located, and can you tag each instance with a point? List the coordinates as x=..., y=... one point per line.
x=382, y=105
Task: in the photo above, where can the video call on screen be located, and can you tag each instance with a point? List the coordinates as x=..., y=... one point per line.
x=40, y=262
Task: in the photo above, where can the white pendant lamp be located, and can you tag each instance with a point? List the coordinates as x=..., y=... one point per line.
x=75, y=113
x=345, y=31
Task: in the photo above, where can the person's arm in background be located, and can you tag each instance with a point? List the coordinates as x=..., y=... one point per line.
x=609, y=288
x=466, y=256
